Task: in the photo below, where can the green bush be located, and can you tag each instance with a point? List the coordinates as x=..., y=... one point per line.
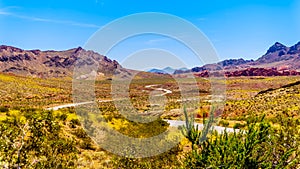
x=80, y=133
x=74, y=123
x=87, y=144
x=33, y=140
x=238, y=125
x=224, y=123
x=3, y=109
x=256, y=146
x=63, y=117
x=165, y=160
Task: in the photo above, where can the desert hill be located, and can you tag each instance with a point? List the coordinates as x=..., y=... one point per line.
x=51, y=63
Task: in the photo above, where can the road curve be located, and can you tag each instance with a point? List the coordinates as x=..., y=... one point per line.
x=173, y=123
x=219, y=129
x=166, y=91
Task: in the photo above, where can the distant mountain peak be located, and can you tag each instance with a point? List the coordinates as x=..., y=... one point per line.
x=166, y=70
x=278, y=57
x=78, y=49
x=278, y=44
x=276, y=47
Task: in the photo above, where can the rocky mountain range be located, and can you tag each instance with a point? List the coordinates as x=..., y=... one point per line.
x=51, y=63
x=278, y=60
x=166, y=70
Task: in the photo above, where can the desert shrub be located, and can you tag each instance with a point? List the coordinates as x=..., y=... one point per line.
x=238, y=125
x=33, y=140
x=285, y=152
x=166, y=160
x=256, y=146
x=139, y=130
x=80, y=133
x=3, y=109
x=74, y=123
x=224, y=123
x=87, y=144
x=63, y=117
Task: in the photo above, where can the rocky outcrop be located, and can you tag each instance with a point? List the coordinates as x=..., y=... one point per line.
x=294, y=49
x=261, y=72
x=248, y=72
x=234, y=62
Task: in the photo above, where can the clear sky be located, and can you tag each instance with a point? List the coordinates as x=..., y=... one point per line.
x=237, y=28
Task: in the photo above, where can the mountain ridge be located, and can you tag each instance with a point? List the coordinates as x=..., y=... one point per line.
x=50, y=63
x=278, y=60
x=166, y=70
x=278, y=57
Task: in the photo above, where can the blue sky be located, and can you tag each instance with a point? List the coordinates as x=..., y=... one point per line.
x=236, y=28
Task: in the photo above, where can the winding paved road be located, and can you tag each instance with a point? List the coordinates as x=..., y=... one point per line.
x=67, y=105
x=173, y=123
x=166, y=91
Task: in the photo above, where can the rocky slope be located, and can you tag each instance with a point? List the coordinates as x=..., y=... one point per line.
x=51, y=63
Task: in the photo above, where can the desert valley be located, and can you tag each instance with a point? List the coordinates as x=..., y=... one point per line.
x=258, y=120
